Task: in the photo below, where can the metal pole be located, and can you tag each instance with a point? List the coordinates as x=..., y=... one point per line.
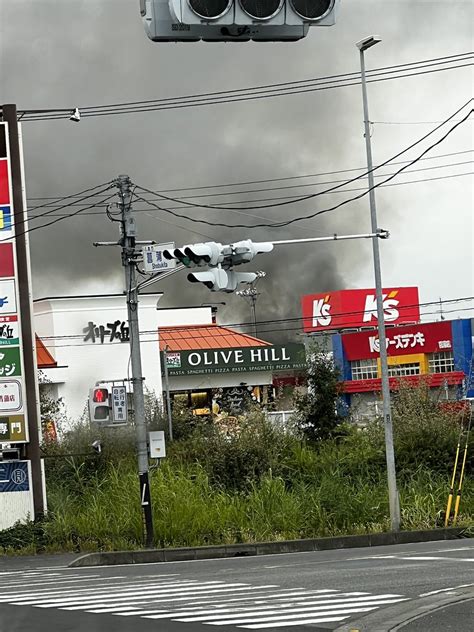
x=33, y=454
x=167, y=388
x=387, y=417
x=131, y=291
x=253, y=301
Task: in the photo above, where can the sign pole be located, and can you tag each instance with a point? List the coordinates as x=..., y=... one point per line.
x=27, y=327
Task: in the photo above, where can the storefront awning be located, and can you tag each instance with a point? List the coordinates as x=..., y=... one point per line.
x=43, y=357
x=195, y=337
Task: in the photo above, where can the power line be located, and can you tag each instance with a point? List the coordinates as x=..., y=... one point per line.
x=279, y=329
x=251, y=182
x=263, y=92
x=282, y=321
x=305, y=217
x=339, y=186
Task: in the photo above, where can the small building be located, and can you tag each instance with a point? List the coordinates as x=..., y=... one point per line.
x=439, y=353
x=210, y=368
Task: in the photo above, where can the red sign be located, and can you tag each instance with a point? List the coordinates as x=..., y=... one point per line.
x=4, y=188
x=428, y=338
x=346, y=309
x=7, y=268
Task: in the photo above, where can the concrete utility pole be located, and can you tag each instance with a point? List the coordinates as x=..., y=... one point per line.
x=33, y=454
x=387, y=416
x=131, y=291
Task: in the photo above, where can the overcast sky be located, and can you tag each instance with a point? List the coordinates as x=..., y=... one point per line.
x=67, y=53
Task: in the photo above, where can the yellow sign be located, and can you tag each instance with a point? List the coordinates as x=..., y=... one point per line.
x=13, y=429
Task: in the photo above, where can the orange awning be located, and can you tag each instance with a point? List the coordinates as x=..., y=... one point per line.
x=43, y=357
x=190, y=337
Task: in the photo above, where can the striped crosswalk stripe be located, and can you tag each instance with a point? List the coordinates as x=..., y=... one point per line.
x=174, y=597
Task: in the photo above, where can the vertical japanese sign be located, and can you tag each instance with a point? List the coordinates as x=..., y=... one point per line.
x=13, y=422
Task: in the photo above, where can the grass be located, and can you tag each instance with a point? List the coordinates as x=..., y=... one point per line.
x=260, y=485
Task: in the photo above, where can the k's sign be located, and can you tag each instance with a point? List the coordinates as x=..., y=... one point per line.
x=346, y=309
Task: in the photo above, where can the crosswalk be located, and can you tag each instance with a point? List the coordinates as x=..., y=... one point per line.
x=175, y=597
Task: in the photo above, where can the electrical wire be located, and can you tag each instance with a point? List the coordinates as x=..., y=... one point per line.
x=49, y=212
x=293, y=320
x=311, y=215
x=309, y=175
x=358, y=177
x=258, y=93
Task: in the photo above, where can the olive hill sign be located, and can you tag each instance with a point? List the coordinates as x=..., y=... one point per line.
x=236, y=360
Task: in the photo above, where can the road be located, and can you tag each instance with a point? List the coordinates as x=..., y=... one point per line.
x=363, y=589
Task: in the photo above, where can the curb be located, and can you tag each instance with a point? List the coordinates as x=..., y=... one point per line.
x=395, y=618
x=149, y=556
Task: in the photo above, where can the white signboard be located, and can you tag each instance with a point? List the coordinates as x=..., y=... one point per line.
x=7, y=296
x=153, y=260
x=157, y=444
x=119, y=404
x=10, y=396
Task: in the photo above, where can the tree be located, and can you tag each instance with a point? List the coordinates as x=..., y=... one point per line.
x=316, y=410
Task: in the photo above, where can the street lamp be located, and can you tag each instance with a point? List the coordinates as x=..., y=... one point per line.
x=363, y=45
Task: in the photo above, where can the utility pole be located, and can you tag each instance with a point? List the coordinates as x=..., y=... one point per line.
x=387, y=415
x=131, y=291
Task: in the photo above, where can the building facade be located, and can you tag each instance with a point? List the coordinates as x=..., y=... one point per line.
x=438, y=353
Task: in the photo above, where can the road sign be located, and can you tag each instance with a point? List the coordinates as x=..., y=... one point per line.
x=153, y=260
x=119, y=404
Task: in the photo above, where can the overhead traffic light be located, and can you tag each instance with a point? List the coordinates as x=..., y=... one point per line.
x=249, y=12
x=219, y=280
x=234, y=20
x=213, y=253
x=99, y=405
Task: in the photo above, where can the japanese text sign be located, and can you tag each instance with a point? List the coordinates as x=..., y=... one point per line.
x=427, y=338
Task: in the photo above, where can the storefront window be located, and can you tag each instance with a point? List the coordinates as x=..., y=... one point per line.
x=442, y=362
x=400, y=370
x=364, y=369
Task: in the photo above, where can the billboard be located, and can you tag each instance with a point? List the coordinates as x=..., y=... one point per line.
x=13, y=422
x=427, y=338
x=348, y=309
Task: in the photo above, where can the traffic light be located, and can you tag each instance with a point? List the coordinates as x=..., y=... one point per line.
x=249, y=12
x=219, y=280
x=162, y=24
x=203, y=254
x=99, y=405
x=245, y=250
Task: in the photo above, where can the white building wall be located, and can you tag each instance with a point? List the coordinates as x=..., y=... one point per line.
x=60, y=323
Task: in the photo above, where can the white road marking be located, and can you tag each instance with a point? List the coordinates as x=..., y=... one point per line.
x=178, y=598
x=442, y=590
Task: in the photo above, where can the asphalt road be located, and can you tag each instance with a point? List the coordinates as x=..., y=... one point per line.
x=362, y=589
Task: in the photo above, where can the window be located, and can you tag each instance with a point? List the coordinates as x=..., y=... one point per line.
x=364, y=369
x=400, y=370
x=442, y=362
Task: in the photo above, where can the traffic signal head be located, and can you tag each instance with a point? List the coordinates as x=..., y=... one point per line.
x=192, y=255
x=99, y=405
x=251, y=12
x=245, y=250
x=219, y=280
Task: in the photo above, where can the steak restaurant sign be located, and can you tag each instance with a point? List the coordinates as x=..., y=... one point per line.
x=236, y=360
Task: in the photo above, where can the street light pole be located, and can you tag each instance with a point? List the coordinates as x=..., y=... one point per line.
x=387, y=417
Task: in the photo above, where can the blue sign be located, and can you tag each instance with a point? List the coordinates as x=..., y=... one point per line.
x=5, y=218
x=14, y=477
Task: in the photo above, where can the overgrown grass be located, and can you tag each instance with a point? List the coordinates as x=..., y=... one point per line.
x=260, y=484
